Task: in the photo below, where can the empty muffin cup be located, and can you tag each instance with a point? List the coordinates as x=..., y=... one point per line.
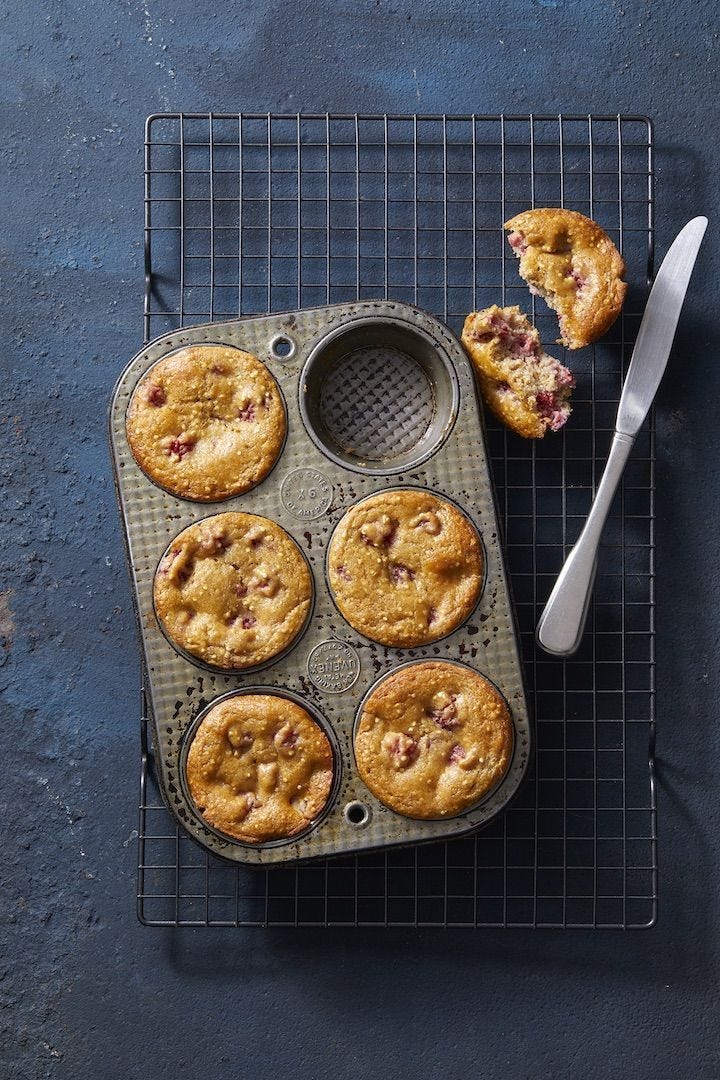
x=350, y=376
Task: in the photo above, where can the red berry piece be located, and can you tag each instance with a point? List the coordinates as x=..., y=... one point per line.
x=179, y=448
x=551, y=409
x=249, y=804
x=185, y=572
x=400, y=748
x=564, y=377
x=501, y=326
x=247, y=413
x=265, y=583
x=238, y=739
x=286, y=738
x=546, y=402
x=255, y=536
x=155, y=395
x=248, y=621
x=214, y=545
x=170, y=558
x=517, y=242
x=241, y=588
x=456, y=754
x=446, y=715
x=379, y=533
x=400, y=573
x=523, y=344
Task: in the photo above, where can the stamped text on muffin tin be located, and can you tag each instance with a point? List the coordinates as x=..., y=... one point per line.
x=333, y=666
x=306, y=493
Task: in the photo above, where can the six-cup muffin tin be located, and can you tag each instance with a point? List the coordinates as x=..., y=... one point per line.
x=378, y=395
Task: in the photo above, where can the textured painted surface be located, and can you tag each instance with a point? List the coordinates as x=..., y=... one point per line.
x=90, y=993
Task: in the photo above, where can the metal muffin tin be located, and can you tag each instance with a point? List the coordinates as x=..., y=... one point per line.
x=379, y=395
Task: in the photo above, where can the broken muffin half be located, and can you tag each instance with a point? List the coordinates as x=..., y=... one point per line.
x=525, y=388
x=568, y=260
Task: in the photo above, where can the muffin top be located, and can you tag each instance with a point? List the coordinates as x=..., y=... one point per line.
x=233, y=590
x=405, y=567
x=259, y=768
x=433, y=739
x=206, y=422
x=569, y=260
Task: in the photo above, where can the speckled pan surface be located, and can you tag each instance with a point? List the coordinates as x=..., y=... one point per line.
x=418, y=402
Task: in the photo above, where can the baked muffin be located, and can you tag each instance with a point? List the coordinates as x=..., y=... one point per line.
x=524, y=387
x=405, y=567
x=259, y=768
x=233, y=590
x=433, y=739
x=573, y=264
x=206, y=422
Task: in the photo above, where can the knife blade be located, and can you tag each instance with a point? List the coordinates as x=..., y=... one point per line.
x=657, y=329
x=561, y=624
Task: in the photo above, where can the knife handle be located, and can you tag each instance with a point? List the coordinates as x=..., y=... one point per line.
x=563, y=619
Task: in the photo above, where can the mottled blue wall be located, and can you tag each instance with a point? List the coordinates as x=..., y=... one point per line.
x=91, y=994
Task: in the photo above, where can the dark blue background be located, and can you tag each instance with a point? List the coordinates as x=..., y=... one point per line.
x=91, y=993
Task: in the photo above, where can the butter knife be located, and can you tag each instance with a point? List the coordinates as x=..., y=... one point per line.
x=561, y=624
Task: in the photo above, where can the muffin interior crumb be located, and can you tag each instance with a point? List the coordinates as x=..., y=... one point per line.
x=554, y=274
x=516, y=371
x=568, y=260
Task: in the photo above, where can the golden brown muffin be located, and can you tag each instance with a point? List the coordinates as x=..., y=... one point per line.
x=233, y=590
x=573, y=264
x=259, y=768
x=207, y=422
x=433, y=739
x=405, y=567
x=524, y=387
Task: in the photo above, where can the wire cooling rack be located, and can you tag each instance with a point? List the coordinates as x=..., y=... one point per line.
x=258, y=213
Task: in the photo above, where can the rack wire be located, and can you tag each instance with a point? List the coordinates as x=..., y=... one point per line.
x=248, y=214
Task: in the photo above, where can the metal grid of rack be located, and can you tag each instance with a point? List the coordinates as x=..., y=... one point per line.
x=256, y=213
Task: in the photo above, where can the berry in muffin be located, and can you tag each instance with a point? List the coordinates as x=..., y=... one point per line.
x=573, y=264
x=405, y=567
x=523, y=386
x=259, y=768
x=207, y=422
x=233, y=590
x=433, y=739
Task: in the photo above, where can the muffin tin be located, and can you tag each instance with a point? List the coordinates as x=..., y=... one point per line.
x=378, y=395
